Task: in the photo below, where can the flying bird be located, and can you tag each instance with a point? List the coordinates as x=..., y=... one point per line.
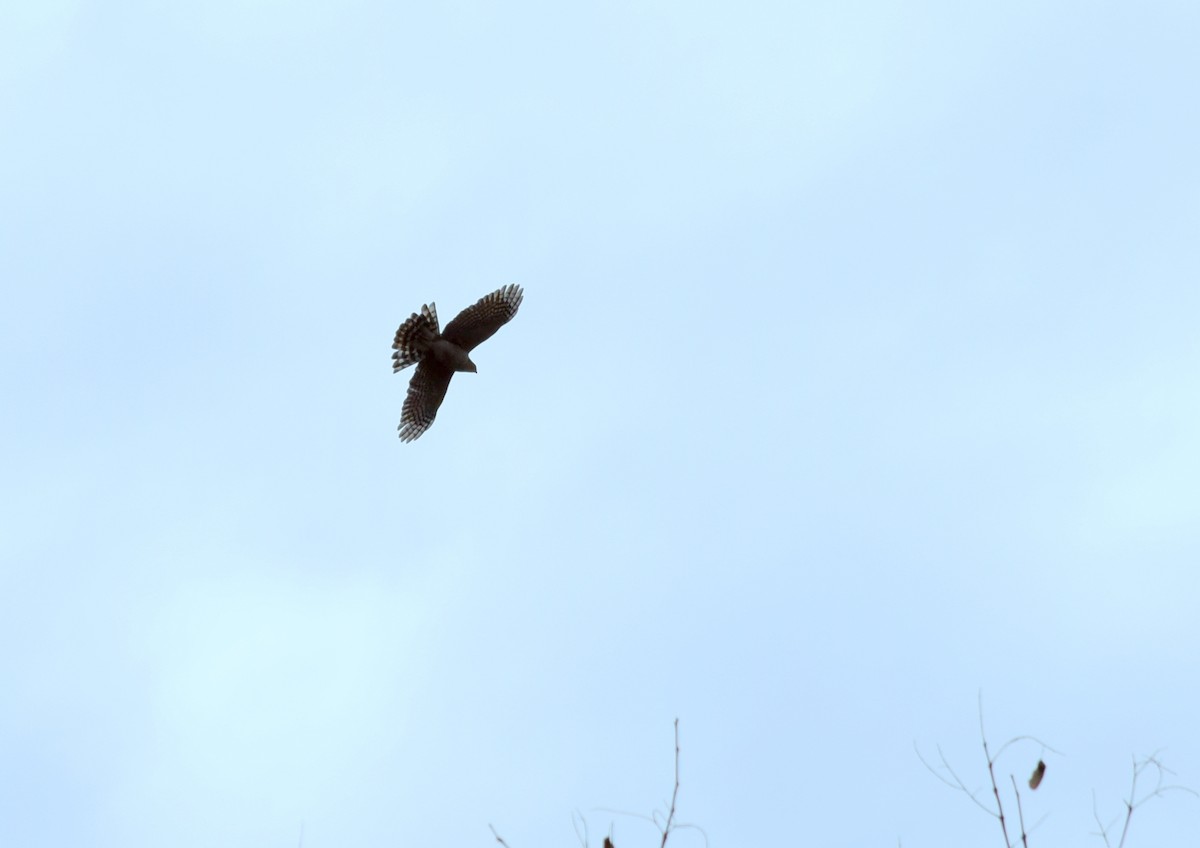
x=438, y=354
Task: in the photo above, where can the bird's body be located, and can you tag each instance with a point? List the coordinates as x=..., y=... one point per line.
x=439, y=353
x=451, y=355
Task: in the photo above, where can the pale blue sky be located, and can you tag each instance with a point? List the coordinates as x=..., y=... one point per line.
x=856, y=374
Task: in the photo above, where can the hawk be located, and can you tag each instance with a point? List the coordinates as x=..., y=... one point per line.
x=438, y=354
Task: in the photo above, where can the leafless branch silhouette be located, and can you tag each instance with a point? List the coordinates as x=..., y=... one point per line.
x=1133, y=802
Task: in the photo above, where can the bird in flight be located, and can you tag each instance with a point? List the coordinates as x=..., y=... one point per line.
x=438, y=354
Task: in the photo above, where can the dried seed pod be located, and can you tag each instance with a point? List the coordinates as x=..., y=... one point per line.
x=1038, y=773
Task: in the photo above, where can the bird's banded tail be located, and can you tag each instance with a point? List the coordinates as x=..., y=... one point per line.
x=414, y=336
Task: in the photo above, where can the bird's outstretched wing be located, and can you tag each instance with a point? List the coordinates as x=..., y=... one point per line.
x=426, y=390
x=477, y=323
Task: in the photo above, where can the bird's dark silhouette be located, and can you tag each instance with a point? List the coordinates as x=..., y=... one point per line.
x=438, y=354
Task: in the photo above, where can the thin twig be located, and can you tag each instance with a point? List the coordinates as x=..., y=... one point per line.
x=1133, y=802
x=577, y=817
x=1027, y=739
x=675, y=794
x=995, y=790
x=957, y=784
x=1129, y=804
x=992, y=774
x=1020, y=812
x=1103, y=831
x=498, y=839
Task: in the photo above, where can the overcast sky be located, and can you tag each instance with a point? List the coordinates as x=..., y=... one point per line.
x=856, y=375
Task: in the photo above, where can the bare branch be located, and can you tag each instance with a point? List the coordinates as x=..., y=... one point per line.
x=1133, y=802
x=576, y=818
x=498, y=839
x=957, y=783
x=1016, y=739
x=992, y=774
x=666, y=830
x=995, y=788
x=1020, y=812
